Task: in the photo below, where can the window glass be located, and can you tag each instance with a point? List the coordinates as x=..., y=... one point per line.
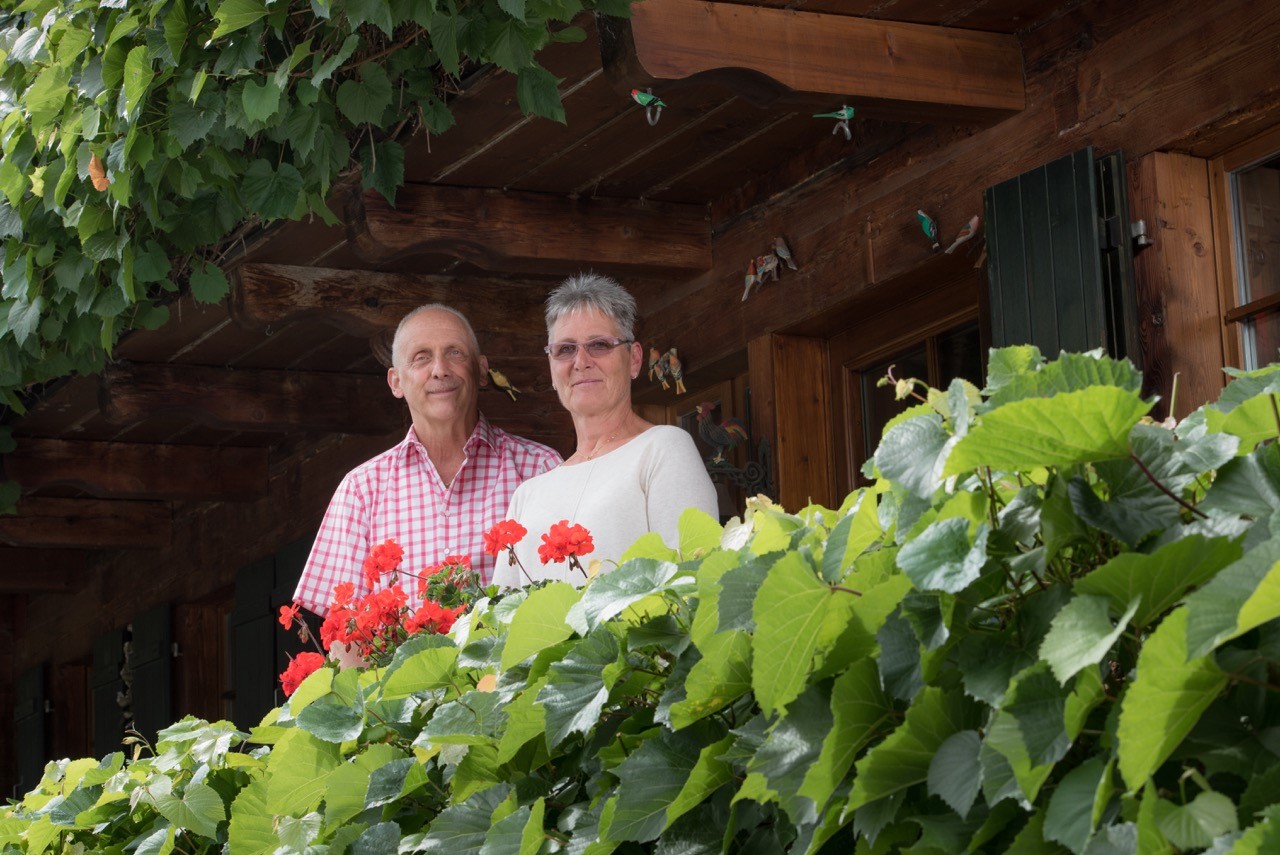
x=878, y=403
x=1257, y=211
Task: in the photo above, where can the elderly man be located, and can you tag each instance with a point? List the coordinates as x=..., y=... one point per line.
x=444, y=485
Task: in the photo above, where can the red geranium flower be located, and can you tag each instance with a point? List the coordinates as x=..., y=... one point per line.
x=288, y=614
x=564, y=541
x=383, y=558
x=432, y=617
x=503, y=536
x=302, y=666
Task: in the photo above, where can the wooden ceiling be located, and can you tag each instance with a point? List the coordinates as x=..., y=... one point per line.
x=493, y=212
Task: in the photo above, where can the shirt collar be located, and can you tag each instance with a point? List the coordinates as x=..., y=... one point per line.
x=483, y=433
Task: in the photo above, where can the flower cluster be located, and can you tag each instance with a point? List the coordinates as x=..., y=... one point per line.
x=504, y=535
x=376, y=623
x=300, y=668
x=564, y=541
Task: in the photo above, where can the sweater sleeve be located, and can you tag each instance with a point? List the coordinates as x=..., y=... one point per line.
x=676, y=480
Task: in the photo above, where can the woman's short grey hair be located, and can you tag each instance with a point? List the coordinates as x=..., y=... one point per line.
x=593, y=291
x=436, y=307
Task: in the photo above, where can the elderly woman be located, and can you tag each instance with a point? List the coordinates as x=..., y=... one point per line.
x=627, y=477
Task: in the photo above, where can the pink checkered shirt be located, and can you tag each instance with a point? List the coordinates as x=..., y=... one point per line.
x=399, y=495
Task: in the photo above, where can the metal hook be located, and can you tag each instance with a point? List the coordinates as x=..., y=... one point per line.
x=652, y=113
x=843, y=125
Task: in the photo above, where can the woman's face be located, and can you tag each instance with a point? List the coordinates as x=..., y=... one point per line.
x=593, y=385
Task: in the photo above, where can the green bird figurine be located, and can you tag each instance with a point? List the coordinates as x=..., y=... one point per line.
x=647, y=99
x=844, y=114
x=930, y=228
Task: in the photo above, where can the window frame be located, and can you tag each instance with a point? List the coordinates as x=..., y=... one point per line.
x=1222, y=168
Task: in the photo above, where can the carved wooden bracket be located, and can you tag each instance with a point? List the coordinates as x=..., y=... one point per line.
x=533, y=232
x=87, y=524
x=885, y=69
x=123, y=470
x=253, y=400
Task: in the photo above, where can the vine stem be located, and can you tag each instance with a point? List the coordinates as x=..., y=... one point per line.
x=1163, y=489
x=846, y=590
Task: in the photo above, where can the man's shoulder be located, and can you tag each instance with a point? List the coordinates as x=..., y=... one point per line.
x=377, y=466
x=527, y=453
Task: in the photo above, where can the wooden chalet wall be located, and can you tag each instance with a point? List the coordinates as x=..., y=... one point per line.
x=1141, y=77
x=1145, y=76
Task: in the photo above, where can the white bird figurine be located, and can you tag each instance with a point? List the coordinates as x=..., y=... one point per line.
x=970, y=229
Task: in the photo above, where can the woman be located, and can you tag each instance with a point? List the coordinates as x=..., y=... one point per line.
x=627, y=477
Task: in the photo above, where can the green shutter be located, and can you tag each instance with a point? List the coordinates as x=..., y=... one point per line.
x=105, y=683
x=1047, y=232
x=152, y=663
x=28, y=728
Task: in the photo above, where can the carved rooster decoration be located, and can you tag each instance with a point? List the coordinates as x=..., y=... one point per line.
x=723, y=436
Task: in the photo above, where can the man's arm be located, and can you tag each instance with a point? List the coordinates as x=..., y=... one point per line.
x=339, y=550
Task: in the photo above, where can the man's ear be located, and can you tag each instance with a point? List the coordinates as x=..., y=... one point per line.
x=484, y=370
x=393, y=380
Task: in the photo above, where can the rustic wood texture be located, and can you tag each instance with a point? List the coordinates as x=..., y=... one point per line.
x=30, y=571
x=200, y=634
x=1111, y=89
x=800, y=406
x=135, y=471
x=72, y=723
x=909, y=72
x=87, y=524
x=364, y=302
x=533, y=232
x=1180, y=319
x=253, y=400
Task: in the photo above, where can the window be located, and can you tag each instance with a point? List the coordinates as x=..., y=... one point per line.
x=1246, y=197
x=934, y=338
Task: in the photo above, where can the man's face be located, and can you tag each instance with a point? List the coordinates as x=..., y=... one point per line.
x=436, y=370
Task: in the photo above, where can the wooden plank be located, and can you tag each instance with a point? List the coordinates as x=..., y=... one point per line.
x=802, y=407
x=87, y=524
x=124, y=470
x=1177, y=282
x=32, y=571
x=911, y=72
x=365, y=302
x=253, y=400
x=533, y=232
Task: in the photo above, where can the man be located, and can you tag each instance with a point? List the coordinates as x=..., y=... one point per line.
x=439, y=490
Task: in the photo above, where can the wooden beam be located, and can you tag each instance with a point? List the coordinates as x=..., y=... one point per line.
x=533, y=232
x=365, y=302
x=37, y=571
x=252, y=399
x=87, y=524
x=886, y=69
x=122, y=470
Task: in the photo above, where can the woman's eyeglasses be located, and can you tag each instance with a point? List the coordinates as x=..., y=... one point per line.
x=596, y=347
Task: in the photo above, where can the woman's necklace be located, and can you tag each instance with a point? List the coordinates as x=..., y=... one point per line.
x=602, y=445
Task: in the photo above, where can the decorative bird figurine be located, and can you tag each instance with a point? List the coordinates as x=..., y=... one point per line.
x=724, y=436
x=500, y=380
x=675, y=369
x=767, y=268
x=657, y=368
x=842, y=117
x=647, y=99
x=783, y=252
x=750, y=281
x=844, y=114
x=930, y=228
x=969, y=230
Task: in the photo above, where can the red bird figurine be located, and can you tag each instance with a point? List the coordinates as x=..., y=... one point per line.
x=724, y=436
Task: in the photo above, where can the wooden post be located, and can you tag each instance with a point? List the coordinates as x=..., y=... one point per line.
x=1177, y=282
x=791, y=405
